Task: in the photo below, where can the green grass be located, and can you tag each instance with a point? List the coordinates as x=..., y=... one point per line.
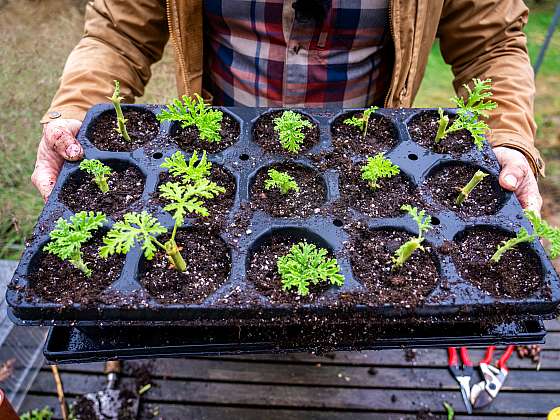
x=37, y=37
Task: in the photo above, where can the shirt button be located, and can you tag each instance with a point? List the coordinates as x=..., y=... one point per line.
x=54, y=114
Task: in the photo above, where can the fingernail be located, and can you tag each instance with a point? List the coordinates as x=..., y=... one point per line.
x=511, y=181
x=72, y=151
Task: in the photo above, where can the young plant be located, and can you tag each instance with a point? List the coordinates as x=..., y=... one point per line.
x=467, y=189
x=191, y=111
x=281, y=180
x=541, y=229
x=406, y=250
x=378, y=167
x=121, y=121
x=43, y=414
x=189, y=198
x=290, y=127
x=140, y=228
x=192, y=171
x=469, y=113
x=99, y=171
x=67, y=238
x=363, y=121
x=305, y=265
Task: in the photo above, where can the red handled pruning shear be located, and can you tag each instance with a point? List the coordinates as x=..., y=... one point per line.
x=484, y=392
x=462, y=374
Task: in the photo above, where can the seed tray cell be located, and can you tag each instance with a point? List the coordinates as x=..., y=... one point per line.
x=126, y=302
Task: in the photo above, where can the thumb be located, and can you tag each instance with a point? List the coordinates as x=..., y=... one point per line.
x=514, y=171
x=60, y=137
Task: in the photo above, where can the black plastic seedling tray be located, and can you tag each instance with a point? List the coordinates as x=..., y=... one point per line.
x=90, y=344
x=132, y=305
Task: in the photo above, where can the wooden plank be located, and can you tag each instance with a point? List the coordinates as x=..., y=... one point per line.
x=209, y=412
x=423, y=358
x=326, y=375
x=309, y=397
x=345, y=376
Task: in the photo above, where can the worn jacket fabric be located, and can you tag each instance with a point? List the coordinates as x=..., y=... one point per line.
x=478, y=38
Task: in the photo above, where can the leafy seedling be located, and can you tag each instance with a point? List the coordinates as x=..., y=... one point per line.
x=195, y=112
x=378, y=167
x=44, y=414
x=290, y=127
x=116, y=99
x=467, y=189
x=140, y=228
x=281, y=180
x=304, y=265
x=99, y=171
x=362, y=121
x=406, y=250
x=469, y=113
x=67, y=238
x=192, y=171
x=541, y=229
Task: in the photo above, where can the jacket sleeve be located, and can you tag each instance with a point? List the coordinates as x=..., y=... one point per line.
x=485, y=39
x=122, y=38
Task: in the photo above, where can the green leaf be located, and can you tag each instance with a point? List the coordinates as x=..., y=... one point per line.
x=193, y=111
x=305, y=265
x=189, y=198
x=44, y=414
x=290, y=127
x=281, y=180
x=406, y=250
x=362, y=121
x=134, y=228
x=98, y=170
x=191, y=172
x=545, y=231
x=422, y=219
x=378, y=167
x=68, y=237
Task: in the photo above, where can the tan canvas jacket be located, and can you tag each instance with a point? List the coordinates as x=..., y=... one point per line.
x=478, y=38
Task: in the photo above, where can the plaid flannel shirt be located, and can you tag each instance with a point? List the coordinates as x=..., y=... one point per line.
x=258, y=54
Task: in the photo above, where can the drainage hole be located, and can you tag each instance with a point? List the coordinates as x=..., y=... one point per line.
x=244, y=156
x=435, y=221
x=337, y=222
x=157, y=155
x=412, y=156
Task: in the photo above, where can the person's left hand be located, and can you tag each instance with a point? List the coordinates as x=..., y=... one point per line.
x=516, y=175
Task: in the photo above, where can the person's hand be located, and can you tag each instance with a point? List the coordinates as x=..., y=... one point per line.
x=516, y=175
x=57, y=144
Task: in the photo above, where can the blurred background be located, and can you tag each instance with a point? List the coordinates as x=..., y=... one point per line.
x=38, y=35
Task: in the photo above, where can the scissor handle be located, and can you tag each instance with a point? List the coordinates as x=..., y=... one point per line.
x=452, y=358
x=503, y=360
x=465, y=357
x=488, y=355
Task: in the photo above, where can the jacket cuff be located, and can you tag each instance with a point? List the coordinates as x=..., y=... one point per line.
x=55, y=113
x=513, y=140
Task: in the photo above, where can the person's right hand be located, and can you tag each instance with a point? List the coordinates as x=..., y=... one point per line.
x=57, y=144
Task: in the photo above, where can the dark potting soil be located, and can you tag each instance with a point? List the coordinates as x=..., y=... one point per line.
x=423, y=129
x=208, y=265
x=142, y=126
x=262, y=271
x=83, y=409
x=59, y=281
x=381, y=135
x=188, y=139
x=82, y=193
x=308, y=200
x=385, y=201
x=444, y=185
x=267, y=137
x=517, y=275
x=217, y=206
x=371, y=253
